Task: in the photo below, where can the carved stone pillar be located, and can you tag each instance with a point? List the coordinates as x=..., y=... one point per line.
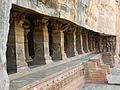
x=75, y=47
x=93, y=40
x=28, y=57
x=57, y=41
x=81, y=39
x=19, y=43
x=64, y=57
x=69, y=43
x=41, y=42
x=100, y=44
x=90, y=42
x=55, y=45
x=78, y=42
x=85, y=42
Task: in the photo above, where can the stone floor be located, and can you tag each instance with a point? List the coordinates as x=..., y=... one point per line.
x=40, y=74
x=100, y=87
x=114, y=77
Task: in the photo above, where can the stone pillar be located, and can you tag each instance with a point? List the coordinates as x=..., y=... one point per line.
x=100, y=44
x=28, y=58
x=90, y=42
x=78, y=42
x=75, y=48
x=69, y=43
x=93, y=40
x=81, y=39
x=55, y=45
x=87, y=42
x=19, y=43
x=64, y=57
x=57, y=41
x=41, y=42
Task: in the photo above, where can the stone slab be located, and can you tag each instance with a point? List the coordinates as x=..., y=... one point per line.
x=114, y=77
x=100, y=87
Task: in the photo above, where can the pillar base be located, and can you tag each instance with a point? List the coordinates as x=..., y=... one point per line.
x=23, y=68
x=64, y=57
x=48, y=60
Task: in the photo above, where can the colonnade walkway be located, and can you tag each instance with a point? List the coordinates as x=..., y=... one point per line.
x=35, y=75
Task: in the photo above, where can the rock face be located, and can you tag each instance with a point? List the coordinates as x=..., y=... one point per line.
x=98, y=15
x=92, y=14
x=4, y=25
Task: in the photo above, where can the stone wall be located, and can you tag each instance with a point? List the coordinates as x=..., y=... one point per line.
x=96, y=71
x=5, y=6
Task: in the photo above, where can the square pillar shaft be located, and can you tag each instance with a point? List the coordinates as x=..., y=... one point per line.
x=41, y=42
x=55, y=45
x=19, y=46
x=75, y=48
x=81, y=39
x=69, y=44
x=57, y=41
x=64, y=57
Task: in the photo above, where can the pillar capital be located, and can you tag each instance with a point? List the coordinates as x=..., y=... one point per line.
x=40, y=22
x=55, y=25
x=18, y=18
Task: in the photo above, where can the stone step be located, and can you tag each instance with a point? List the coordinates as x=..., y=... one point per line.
x=96, y=71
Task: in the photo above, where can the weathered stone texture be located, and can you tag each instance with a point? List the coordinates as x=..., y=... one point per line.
x=4, y=27
x=98, y=15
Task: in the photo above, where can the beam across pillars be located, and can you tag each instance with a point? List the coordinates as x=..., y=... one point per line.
x=56, y=41
x=41, y=41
